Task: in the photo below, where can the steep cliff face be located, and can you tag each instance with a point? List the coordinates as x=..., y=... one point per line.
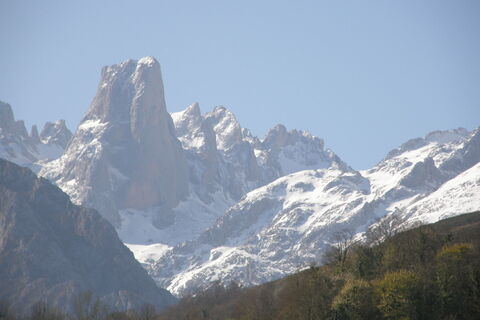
x=125, y=153
x=53, y=250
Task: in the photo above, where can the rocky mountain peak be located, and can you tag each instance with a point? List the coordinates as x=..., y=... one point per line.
x=26, y=149
x=8, y=125
x=195, y=133
x=35, y=137
x=125, y=92
x=439, y=137
x=148, y=61
x=125, y=152
x=279, y=137
x=7, y=121
x=226, y=127
x=447, y=136
x=193, y=112
x=187, y=120
x=20, y=128
x=54, y=132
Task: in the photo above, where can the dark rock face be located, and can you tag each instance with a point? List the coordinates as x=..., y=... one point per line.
x=53, y=250
x=465, y=157
x=423, y=173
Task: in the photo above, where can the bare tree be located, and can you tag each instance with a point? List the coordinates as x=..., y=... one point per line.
x=6, y=311
x=338, y=253
x=384, y=229
x=86, y=307
x=42, y=311
x=147, y=312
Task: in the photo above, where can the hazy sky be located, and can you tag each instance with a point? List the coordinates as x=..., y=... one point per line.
x=364, y=75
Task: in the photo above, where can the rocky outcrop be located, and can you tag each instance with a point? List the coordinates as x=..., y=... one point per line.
x=423, y=173
x=286, y=152
x=465, y=157
x=8, y=123
x=52, y=250
x=226, y=127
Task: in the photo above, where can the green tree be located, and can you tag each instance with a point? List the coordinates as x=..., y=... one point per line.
x=355, y=301
x=364, y=262
x=458, y=281
x=307, y=295
x=398, y=295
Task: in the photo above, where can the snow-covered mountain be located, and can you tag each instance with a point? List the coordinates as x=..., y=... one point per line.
x=199, y=198
x=30, y=150
x=163, y=178
x=288, y=224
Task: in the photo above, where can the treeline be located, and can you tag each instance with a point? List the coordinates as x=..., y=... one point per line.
x=84, y=307
x=430, y=272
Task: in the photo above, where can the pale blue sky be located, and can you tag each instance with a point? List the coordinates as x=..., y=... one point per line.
x=364, y=75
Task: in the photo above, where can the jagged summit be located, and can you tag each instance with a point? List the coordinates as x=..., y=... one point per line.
x=438, y=136
x=187, y=120
x=54, y=132
x=148, y=60
x=296, y=150
x=278, y=137
x=34, y=134
x=8, y=124
x=29, y=150
x=226, y=127
x=124, y=88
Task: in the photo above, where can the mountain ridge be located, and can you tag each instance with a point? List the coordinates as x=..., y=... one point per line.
x=242, y=208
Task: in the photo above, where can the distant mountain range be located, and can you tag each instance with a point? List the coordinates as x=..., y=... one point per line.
x=30, y=149
x=198, y=198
